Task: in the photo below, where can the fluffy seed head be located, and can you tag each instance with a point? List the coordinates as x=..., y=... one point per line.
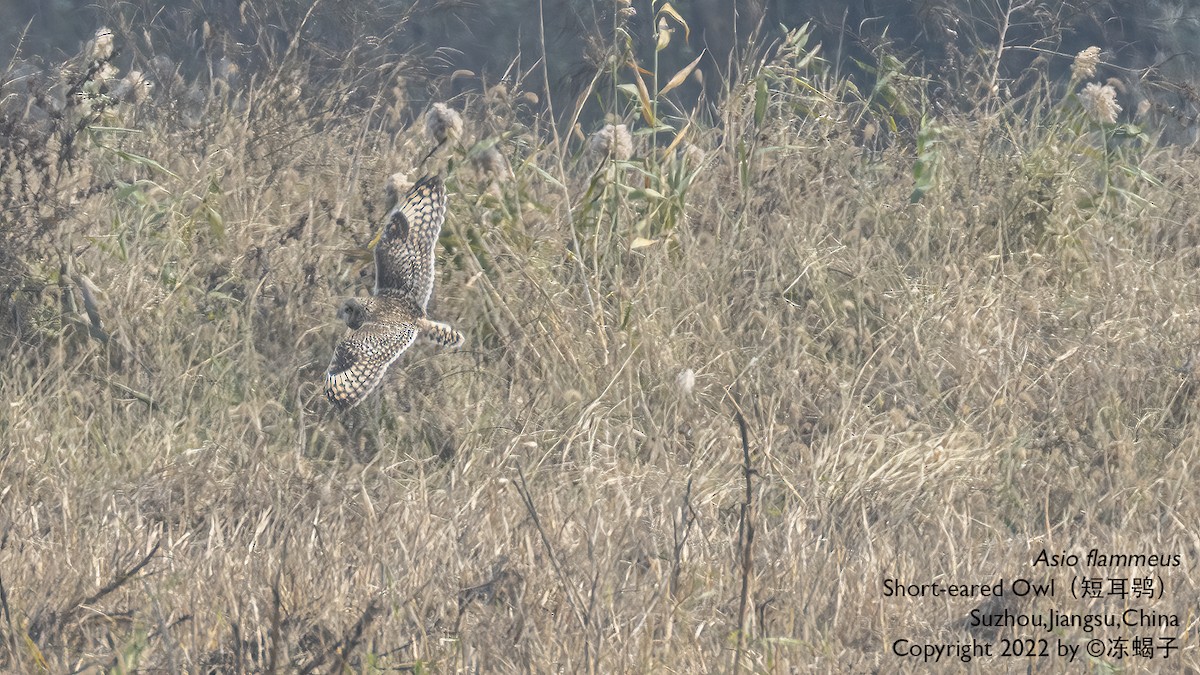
x=101, y=46
x=227, y=70
x=194, y=102
x=1100, y=102
x=162, y=66
x=194, y=96
x=685, y=381
x=165, y=73
x=491, y=164
x=105, y=73
x=496, y=94
x=613, y=141
x=1085, y=63
x=135, y=87
x=443, y=123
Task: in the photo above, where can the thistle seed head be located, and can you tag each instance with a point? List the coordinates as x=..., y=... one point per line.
x=1100, y=102
x=443, y=123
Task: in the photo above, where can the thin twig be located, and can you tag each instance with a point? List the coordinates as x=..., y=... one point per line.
x=144, y=398
x=57, y=621
x=276, y=624
x=1006, y=21
x=431, y=153
x=745, y=537
x=576, y=603
x=687, y=516
x=120, y=579
x=12, y=630
x=355, y=636
x=344, y=646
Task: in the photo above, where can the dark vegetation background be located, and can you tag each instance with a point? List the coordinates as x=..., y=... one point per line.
x=494, y=39
x=875, y=290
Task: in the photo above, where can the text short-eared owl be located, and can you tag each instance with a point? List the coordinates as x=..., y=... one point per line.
x=387, y=323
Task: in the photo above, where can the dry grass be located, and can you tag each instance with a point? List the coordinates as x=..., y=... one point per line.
x=932, y=391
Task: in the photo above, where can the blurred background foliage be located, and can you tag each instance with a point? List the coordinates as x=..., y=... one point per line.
x=1151, y=46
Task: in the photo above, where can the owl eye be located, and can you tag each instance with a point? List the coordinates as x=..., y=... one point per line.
x=353, y=313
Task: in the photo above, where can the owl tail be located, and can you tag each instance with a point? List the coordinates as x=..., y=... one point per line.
x=442, y=334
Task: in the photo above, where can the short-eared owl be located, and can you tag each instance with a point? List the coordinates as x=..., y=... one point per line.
x=387, y=323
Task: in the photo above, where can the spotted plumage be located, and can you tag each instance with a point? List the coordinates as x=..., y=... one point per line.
x=387, y=323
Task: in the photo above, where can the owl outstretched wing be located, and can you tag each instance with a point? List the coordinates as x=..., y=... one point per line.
x=362, y=358
x=404, y=256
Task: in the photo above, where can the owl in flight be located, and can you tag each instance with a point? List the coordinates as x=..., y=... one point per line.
x=387, y=323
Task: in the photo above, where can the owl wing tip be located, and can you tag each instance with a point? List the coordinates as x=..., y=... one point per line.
x=431, y=179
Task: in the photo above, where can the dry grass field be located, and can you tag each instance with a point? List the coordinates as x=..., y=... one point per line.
x=716, y=388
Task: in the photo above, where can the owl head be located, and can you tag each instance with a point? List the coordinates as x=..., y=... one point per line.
x=354, y=312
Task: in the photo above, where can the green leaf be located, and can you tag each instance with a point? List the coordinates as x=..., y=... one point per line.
x=760, y=102
x=1128, y=131
x=542, y=172
x=144, y=161
x=216, y=223
x=645, y=194
x=127, y=190
x=662, y=127
x=628, y=89
x=928, y=159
